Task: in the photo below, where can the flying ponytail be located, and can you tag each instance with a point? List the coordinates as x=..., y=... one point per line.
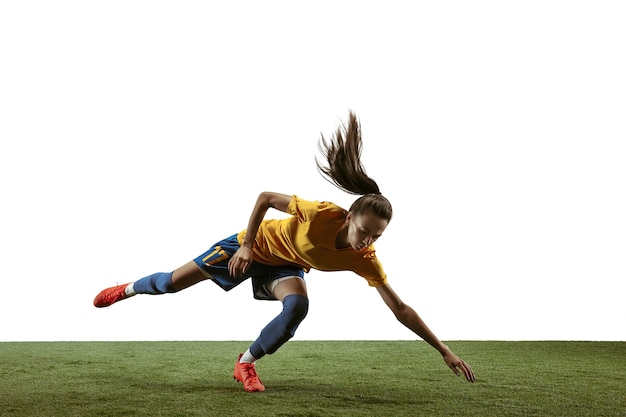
x=345, y=170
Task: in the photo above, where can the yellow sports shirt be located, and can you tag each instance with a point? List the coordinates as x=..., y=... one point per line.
x=307, y=239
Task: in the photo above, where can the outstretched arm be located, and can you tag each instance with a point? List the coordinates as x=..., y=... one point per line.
x=407, y=316
x=242, y=259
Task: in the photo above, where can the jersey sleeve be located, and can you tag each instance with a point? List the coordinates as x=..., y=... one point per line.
x=372, y=271
x=294, y=206
x=304, y=210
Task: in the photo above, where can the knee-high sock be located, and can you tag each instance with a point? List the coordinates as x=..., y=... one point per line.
x=283, y=327
x=159, y=283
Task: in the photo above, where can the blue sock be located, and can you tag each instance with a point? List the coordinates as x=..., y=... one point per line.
x=283, y=327
x=159, y=283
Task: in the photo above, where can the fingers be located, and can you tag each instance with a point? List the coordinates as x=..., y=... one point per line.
x=240, y=262
x=457, y=365
x=463, y=367
x=233, y=268
x=244, y=268
x=237, y=267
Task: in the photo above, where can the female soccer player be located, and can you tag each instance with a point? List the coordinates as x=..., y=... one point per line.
x=275, y=254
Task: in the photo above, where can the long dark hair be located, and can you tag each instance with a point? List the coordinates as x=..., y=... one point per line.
x=345, y=170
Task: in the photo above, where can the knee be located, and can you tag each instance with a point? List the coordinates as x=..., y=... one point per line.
x=295, y=307
x=284, y=326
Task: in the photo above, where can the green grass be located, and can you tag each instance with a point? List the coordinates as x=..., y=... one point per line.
x=372, y=378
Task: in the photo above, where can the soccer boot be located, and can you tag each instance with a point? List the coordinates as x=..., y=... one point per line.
x=246, y=374
x=110, y=295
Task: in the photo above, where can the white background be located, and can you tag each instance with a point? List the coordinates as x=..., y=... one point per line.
x=134, y=134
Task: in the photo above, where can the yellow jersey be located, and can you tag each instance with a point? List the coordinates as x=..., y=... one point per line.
x=307, y=239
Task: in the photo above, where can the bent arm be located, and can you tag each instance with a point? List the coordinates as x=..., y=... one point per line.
x=242, y=259
x=409, y=317
x=264, y=202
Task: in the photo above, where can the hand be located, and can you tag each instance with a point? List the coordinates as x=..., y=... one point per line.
x=240, y=262
x=458, y=365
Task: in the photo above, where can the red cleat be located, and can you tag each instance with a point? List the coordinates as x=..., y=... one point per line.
x=246, y=374
x=110, y=296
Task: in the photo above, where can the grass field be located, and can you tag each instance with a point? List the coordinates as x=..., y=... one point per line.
x=371, y=378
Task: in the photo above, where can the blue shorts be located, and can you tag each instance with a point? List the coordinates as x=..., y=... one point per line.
x=214, y=263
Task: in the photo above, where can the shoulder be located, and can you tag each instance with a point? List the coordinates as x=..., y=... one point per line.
x=300, y=206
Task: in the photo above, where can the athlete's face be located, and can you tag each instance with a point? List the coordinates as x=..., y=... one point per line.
x=364, y=229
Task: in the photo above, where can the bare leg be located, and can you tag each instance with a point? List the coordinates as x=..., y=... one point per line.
x=187, y=275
